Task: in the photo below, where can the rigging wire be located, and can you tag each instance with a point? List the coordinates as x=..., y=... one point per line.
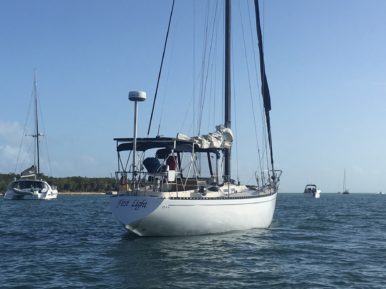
x=194, y=63
x=263, y=124
x=160, y=70
x=45, y=137
x=264, y=129
x=166, y=81
x=235, y=120
x=212, y=80
x=207, y=76
x=189, y=106
x=203, y=66
x=264, y=85
x=24, y=132
x=250, y=90
x=208, y=61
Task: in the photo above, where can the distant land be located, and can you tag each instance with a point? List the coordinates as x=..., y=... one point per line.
x=68, y=184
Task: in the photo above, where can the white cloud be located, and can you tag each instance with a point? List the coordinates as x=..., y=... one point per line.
x=88, y=161
x=7, y=155
x=10, y=153
x=10, y=132
x=11, y=156
x=76, y=166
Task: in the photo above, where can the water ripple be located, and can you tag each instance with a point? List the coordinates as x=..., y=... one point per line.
x=73, y=242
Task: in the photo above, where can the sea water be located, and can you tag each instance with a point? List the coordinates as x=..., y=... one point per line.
x=337, y=241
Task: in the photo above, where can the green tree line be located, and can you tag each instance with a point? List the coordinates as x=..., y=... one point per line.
x=68, y=184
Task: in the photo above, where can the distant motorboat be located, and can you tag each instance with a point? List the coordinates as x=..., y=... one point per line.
x=312, y=189
x=111, y=193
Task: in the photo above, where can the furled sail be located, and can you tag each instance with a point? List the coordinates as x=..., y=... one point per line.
x=222, y=138
x=29, y=172
x=264, y=82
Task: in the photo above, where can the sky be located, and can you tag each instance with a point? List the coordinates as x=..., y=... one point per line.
x=325, y=63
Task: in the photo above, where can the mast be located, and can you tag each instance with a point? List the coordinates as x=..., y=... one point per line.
x=227, y=88
x=37, y=161
x=264, y=84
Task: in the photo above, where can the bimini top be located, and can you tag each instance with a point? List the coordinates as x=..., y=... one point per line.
x=311, y=185
x=219, y=140
x=143, y=144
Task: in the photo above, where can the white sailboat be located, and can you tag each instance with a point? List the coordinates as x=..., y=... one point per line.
x=29, y=186
x=345, y=190
x=162, y=187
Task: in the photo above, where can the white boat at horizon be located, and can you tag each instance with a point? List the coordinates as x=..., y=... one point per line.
x=345, y=190
x=313, y=190
x=172, y=186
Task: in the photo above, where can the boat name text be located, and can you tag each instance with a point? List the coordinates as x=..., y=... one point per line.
x=136, y=204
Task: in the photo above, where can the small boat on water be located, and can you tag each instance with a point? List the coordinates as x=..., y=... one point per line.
x=345, y=190
x=30, y=186
x=30, y=189
x=111, y=193
x=182, y=185
x=312, y=190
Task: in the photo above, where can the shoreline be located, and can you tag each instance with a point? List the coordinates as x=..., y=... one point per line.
x=81, y=193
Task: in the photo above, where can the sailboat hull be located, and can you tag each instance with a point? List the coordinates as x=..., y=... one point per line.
x=152, y=216
x=12, y=195
x=30, y=190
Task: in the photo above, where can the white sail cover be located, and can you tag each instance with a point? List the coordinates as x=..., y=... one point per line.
x=30, y=172
x=220, y=139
